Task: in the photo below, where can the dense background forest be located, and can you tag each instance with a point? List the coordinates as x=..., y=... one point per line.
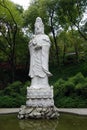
x=66, y=24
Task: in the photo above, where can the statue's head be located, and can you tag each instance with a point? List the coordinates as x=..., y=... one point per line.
x=39, y=26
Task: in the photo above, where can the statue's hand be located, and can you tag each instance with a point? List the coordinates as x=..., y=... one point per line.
x=37, y=47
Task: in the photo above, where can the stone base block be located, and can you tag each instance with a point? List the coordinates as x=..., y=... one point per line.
x=40, y=97
x=40, y=103
x=38, y=112
x=38, y=93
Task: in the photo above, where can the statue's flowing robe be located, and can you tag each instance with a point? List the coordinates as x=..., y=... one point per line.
x=39, y=57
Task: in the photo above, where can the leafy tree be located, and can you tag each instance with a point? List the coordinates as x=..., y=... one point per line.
x=71, y=14
x=10, y=22
x=72, y=45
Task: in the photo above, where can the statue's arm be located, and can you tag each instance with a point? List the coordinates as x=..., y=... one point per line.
x=37, y=47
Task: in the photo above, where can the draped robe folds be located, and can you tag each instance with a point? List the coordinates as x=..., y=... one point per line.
x=39, y=56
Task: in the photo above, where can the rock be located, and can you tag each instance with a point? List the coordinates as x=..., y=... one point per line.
x=21, y=116
x=38, y=113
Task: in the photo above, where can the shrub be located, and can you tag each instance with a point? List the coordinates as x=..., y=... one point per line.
x=59, y=82
x=15, y=86
x=8, y=91
x=9, y=102
x=78, y=78
x=6, y=101
x=81, y=89
x=70, y=102
x=1, y=92
x=67, y=93
x=14, y=95
x=63, y=88
x=72, y=92
x=66, y=102
x=69, y=88
x=23, y=90
x=70, y=58
x=58, y=87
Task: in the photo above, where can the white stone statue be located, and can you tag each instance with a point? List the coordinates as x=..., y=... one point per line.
x=39, y=103
x=39, y=56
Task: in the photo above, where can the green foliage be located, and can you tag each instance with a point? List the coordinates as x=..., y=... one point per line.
x=15, y=86
x=70, y=102
x=67, y=93
x=72, y=92
x=7, y=101
x=63, y=88
x=23, y=90
x=70, y=59
x=14, y=95
x=6, y=16
x=59, y=87
x=13, y=89
x=81, y=89
x=78, y=78
x=21, y=50
x=10, y=23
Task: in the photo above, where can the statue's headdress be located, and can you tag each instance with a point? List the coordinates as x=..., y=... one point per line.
x=39, y=26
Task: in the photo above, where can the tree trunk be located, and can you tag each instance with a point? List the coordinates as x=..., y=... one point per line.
x=76, y=52
x=54, y=38
x=75, y=47
x=64, y=50
x=12, y=65
x=11, y=39
x=56, y=47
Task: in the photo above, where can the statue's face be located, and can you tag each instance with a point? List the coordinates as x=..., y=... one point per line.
x=39, y=27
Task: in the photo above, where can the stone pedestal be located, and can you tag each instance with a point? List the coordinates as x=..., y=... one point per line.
x=40, y=97
x=39, y=104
